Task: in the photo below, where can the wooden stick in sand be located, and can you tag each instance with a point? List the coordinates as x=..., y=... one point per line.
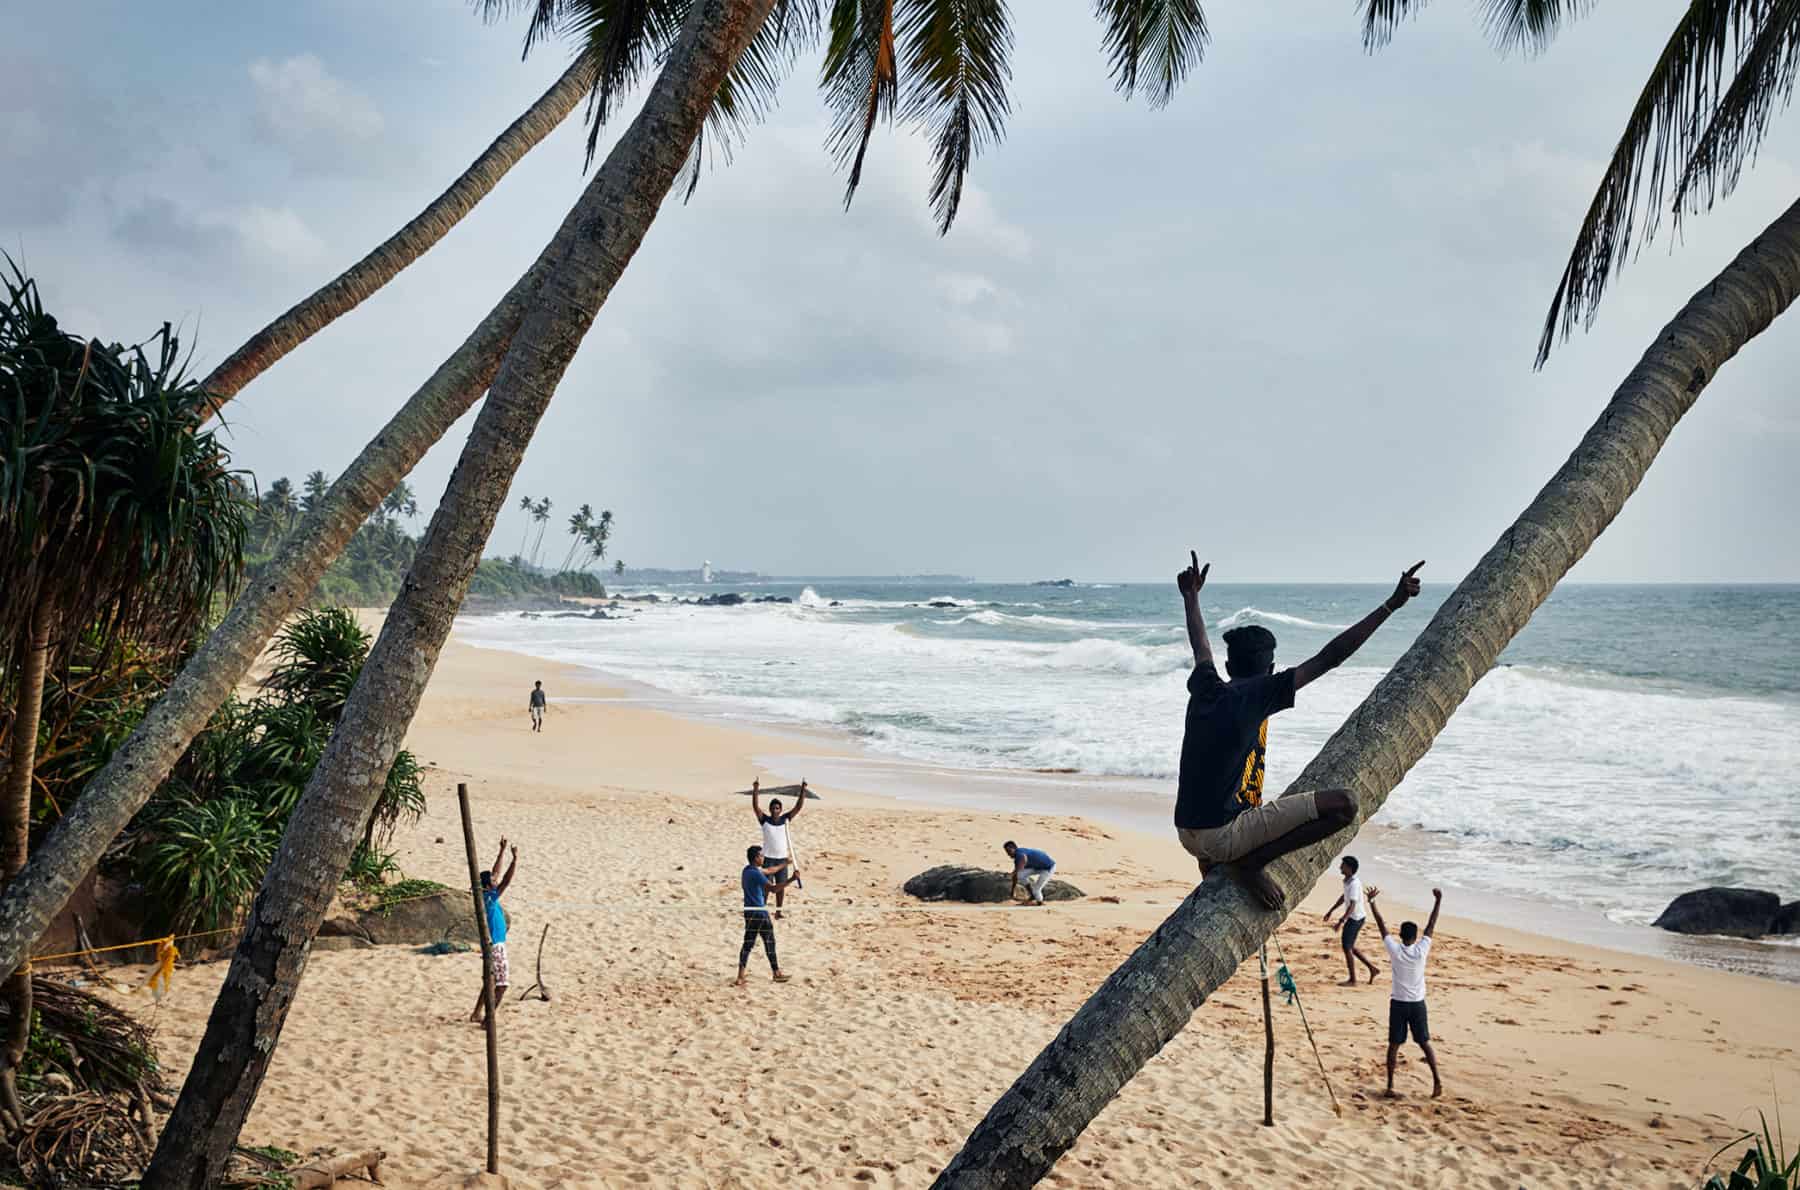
x=540, y=987
x=487, y=984
x=1268, y=1045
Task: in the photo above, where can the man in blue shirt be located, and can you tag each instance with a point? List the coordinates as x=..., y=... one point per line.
x=1033, y=865
x=496, y=924
x=757, y=923
x=1224, y=724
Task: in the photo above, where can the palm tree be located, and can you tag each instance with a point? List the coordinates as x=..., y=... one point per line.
x=606, y=227
x=119, y=518
x=619, y=568
x=400, y=502
x=525, y=506
x=1691, y=131
x=360, y=281
x=578, y=527
x=281, y=502
x=594, y=538
x=317, y=484
x=540, y=515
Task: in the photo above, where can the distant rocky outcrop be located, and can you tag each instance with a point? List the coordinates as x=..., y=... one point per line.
x=960, y=882
x=1734, y=912
x=1054, y=582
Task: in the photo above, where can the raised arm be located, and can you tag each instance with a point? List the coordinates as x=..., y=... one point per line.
x=510, y=869
x=1437, y=902
x=799, y=801
x=1376, y=910
x=1345, y=643
x=756, y=798
x=495, y=866
x=1189, y=583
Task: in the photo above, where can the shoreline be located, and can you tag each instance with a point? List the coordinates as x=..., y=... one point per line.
x=1126, y=803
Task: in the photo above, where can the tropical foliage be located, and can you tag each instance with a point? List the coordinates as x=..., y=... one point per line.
x=1695, y=125
x=939, y=68
x=1765, y=1165
x=209, y=835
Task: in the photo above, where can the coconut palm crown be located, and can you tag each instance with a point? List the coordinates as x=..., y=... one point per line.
x=940, y=66
x=1698, y=120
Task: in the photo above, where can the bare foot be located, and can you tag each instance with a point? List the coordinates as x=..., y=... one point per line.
x=1373, y=972
x=1257, y=883
x=780, y=977
x=1437, y=1090
x=1347, y=983
x=739, y=981
x=1389, y=1094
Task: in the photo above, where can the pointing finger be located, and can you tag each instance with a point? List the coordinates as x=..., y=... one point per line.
x=1195, y=560
x=1415, y=568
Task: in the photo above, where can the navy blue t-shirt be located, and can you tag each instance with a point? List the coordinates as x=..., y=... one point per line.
x=1222, y=723
x=756, y=887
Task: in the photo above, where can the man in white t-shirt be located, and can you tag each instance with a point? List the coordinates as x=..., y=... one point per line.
x=1353, y=902
x=777, y=851
x=1406, y=1009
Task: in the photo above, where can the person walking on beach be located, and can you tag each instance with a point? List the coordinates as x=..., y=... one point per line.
x=756, y=913
x=1352, y=900
x=1406, y=1010
x=777, y=849
x=537, y=705
x=1031, y=864
x=1224, y=726
x=496, y=923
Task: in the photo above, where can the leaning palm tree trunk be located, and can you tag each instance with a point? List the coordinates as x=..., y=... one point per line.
x=15, y=847
x=87, y=827
x=612, y=217
x=1148, y=999
x=360, y=281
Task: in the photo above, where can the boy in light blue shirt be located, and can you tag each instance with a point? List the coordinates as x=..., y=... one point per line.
x=496, y=924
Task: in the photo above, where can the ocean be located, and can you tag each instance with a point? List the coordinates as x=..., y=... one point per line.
x=1635, y=741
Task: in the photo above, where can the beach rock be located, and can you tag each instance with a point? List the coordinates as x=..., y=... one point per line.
x=942, y=603
x=1787, y=921
x=959, y=882
x=725, y=599
x=409, y=923
x=1054, y=582
x=1736, y=912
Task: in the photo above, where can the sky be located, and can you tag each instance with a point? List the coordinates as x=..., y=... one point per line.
x=1287, y=321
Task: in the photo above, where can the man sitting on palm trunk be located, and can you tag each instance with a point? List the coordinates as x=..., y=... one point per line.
x=1224, y=722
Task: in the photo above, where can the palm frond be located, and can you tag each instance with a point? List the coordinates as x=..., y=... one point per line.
x=545, y=15
x=752, y=85
x=1528, y=25
x=957, y=69
x=1766, y=75
x=860, y=79
x=1659, y=139
x=1152, y=44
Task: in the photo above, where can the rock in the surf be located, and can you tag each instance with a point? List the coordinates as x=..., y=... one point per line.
x=1736, y=912
x=960, y=882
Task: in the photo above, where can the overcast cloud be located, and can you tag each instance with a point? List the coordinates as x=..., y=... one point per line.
x=1288, y=320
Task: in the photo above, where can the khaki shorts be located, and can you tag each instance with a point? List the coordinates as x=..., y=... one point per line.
x=1250, y=830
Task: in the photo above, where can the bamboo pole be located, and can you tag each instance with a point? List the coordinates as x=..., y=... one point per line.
x=487, y=983
x=1268, y=1045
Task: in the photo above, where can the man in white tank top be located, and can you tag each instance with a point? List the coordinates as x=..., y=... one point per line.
x=777, y=853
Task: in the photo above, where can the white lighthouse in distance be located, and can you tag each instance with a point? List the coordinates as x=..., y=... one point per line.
x=706, y=572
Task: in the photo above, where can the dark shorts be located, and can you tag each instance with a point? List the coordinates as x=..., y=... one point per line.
x=778, y=866
x=1352, y=927
x=1404, y=1015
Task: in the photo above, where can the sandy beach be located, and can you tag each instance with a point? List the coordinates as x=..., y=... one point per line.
x=1563, y=1064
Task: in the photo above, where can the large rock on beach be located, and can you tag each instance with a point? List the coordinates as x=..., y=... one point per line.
x=417, y=922
x=959, y=882
x=1787, y=921
x=1734, y=912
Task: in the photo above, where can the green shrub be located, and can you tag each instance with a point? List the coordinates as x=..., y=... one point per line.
x=370, y=868
x=202, y=861
x=402, y=800
x=1765, y=1165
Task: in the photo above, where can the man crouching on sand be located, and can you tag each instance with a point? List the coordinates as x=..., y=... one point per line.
x=1224, y=722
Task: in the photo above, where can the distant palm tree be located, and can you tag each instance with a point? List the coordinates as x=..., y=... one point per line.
x=619, y=568
x=578, y=526
x=400, y=502
x=540, y=515
x=281, y=502
x=119, y=521
x=317, y=484
x=595, y=537
x=525, y=506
